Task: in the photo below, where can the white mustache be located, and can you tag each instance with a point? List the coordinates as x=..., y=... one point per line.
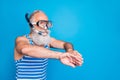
x=41, y=39
x=41, y=32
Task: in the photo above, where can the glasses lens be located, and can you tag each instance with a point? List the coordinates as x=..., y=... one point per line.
x=49, y=24
x=44, y=22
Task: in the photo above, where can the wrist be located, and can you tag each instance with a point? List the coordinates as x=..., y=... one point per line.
x=58, y=54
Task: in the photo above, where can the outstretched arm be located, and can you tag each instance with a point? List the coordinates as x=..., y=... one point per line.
x=23, y=47
x=61, y=44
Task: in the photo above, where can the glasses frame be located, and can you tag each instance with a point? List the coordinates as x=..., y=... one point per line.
x=48, y=25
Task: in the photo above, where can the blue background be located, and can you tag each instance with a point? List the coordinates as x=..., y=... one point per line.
x=93, y=26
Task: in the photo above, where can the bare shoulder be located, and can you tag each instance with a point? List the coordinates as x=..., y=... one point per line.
x=19, y=43
x=21, y=38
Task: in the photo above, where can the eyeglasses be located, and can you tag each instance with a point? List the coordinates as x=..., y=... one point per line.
x=43, y=23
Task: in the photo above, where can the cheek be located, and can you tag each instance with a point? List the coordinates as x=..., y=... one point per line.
x=38, y=28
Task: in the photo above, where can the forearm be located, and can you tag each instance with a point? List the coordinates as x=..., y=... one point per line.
x=40, y=52
x=68, y=47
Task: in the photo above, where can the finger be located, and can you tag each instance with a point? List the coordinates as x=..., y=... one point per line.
x=70, y=58
x=75, y=62
x=71, y=64
x=78, y=53
x=81, y=63
x=76, y=57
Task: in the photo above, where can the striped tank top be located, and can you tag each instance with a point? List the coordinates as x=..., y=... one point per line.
x=31, y=68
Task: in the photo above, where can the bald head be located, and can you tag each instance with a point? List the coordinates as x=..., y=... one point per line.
x=38, y=15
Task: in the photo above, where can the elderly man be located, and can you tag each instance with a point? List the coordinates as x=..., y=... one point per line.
x=31, y=51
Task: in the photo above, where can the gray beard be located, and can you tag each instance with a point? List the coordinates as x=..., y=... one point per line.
x=40, y=39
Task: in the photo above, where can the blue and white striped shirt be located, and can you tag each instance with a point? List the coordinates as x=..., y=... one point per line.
x=31, y=68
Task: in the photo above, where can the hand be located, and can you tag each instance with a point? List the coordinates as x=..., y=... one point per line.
x=78, y=60
x=67, y=59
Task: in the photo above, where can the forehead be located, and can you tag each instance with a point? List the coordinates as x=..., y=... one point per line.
x=39, y=16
